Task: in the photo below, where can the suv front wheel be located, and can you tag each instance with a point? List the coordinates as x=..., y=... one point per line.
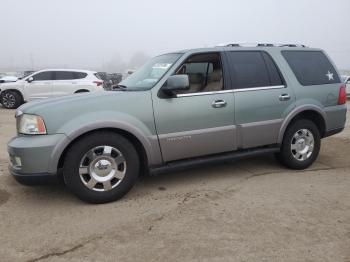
x=301, y=145
x=101, y=167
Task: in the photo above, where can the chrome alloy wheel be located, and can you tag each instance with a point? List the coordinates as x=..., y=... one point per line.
x=302, y=144
x=8, y=100
x=102, y=168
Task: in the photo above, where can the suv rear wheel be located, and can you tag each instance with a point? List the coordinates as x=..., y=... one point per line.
x=101, y=167
x=301, y=145
x=11, y=99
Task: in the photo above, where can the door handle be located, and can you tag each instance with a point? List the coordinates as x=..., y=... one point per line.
x=219, y=103
x=284, y=97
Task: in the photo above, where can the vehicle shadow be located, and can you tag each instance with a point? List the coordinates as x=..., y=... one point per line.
x=56, y=193
x=229, y=172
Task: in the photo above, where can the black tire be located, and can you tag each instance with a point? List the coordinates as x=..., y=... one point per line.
x=11, y=99
x=287, y=156
x=77, y=152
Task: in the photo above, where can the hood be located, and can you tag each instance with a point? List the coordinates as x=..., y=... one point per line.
x=36, y=106
x=98, y=106
x=9, y=84
x=6, y=79
x=107, y=100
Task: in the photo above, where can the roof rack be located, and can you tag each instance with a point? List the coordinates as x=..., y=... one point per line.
x=259, y=45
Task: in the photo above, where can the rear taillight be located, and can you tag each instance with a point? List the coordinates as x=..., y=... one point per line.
x=98, y=83
x=342, y=96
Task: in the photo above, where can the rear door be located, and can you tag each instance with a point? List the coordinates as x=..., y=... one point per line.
x=262, y=98
x=40, y=87
x=199, y=121
x=318, y=83
x=65, y=83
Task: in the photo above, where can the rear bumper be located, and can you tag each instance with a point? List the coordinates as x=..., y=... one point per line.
x=335, y=119
x=333, y=132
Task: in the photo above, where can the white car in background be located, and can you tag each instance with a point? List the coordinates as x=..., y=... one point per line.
x=347, y=83
x=49, y=83
x=8, y=79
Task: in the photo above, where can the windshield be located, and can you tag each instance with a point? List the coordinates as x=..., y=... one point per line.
x=150, y=73
x=26, y=74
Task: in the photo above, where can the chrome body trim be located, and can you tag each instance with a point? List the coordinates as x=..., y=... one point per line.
x=231, y=91
x=205, y=93
x=259, y=88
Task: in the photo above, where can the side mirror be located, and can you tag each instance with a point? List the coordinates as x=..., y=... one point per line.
x=176, y=83
x=30, y=79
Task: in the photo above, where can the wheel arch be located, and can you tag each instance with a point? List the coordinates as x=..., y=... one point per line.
x=310, y=112
x=139, y=146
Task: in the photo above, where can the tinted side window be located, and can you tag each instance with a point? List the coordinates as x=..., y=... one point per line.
x=248, y=69
x=204, y=72
x=311, y=67
x=43, y=76
x=79, y=75
x=64, y=75
x=274, y=74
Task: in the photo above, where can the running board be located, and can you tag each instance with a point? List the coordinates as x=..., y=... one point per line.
x=179, y=165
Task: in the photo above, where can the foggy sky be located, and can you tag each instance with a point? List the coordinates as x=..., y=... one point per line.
x=101, y=33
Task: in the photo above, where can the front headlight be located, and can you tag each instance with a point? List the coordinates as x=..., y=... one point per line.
x=31, y=125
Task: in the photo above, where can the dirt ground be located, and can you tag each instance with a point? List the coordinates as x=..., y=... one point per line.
x=248, y=210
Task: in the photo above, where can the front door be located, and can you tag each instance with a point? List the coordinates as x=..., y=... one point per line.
x=199, y=121
x=40, y=87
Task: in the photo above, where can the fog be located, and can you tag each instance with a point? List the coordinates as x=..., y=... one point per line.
x=116, y=35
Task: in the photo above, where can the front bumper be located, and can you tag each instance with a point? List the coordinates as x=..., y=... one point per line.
x=35, y=157
x=34, y=179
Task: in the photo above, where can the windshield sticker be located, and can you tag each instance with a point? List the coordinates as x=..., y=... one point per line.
x=162, y=65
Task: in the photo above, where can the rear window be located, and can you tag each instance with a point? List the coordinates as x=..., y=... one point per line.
x=101, y=76
x=311, y=67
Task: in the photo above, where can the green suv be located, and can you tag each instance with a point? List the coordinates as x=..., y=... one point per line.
x=183, y=109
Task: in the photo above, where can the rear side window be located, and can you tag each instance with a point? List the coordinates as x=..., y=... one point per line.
x=311, y=67
x=43, y=76
x=79, y=75
x=251, y=69
x=64, y=75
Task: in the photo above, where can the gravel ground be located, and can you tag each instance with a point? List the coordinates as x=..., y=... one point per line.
x=248, y=210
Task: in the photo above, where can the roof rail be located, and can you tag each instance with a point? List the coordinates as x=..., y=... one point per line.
x=259, y=45
x=292, y=45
